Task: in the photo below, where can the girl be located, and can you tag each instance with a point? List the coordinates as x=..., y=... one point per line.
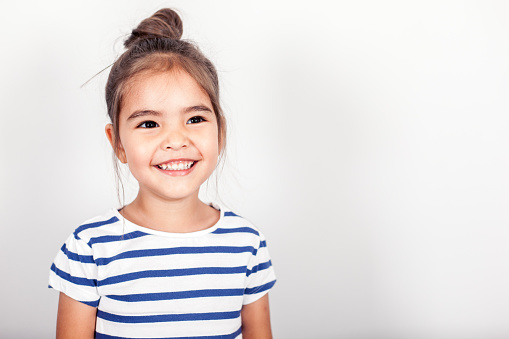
x=166, y=265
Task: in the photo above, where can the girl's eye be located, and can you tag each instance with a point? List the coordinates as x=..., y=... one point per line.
x=195, y=120
x=148, y=124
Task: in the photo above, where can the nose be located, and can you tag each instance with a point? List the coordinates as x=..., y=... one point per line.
x=175, y=138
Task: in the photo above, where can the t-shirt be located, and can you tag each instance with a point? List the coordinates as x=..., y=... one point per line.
x=152, y=284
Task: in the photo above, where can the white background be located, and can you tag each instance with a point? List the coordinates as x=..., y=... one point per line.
x=368, y=140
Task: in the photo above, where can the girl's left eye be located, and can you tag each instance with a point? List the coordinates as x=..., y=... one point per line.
x=195, y=120
x=148, y=124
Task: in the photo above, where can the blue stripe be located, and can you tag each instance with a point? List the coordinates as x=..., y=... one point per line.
x=175, y=250
x=90, y=303
x=95, y=224
x=230, y=214
x=260, y=288
x=236, y=230
x=76, y=236
x=171, y=273
x=221, y=336
x=159, y=318
x=87, y=259
x=259, y=267
x=74, y=280
x=263, y=243
x=178, y=295
x=112, y=238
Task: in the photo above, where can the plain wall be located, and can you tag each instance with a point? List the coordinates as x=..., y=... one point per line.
x=368, y=140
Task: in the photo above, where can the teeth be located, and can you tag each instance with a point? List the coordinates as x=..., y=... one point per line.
x=176, y=166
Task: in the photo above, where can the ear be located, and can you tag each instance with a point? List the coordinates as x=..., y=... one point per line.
x=119, y=151
x=221, y=145
x=221, y=141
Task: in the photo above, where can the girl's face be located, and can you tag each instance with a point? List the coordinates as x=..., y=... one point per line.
x=168, y=135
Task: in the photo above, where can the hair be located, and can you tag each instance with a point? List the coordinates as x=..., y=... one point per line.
x=155, y=46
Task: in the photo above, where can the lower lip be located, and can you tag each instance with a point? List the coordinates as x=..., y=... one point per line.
x=177, y=173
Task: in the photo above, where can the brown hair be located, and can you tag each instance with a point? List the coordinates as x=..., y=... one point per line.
x=155, y=46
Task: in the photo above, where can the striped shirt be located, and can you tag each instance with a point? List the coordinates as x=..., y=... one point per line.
x=153, y=284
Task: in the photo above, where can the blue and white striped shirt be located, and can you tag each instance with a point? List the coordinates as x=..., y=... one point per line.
x=152, y=284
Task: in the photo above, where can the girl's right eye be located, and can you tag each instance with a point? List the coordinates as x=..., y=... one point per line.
x=148, y=124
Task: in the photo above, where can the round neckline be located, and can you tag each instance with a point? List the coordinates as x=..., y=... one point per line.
x=147, y=230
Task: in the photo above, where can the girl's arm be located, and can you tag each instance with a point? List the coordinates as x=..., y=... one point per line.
x=256, y=319
x=75, y=319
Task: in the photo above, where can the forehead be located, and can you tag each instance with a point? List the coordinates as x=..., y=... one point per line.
x=168, y=90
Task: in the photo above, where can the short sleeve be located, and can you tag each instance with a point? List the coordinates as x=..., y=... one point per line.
x=260, y=274
x=74, y=272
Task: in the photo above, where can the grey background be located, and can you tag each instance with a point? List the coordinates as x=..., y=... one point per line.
x=368, y=140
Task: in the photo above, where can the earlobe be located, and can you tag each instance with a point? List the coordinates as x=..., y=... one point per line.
x=119, y=151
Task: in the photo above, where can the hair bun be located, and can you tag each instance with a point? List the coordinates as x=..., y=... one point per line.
x=165, y=23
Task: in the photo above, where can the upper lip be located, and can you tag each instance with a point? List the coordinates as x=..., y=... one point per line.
x=175, y=160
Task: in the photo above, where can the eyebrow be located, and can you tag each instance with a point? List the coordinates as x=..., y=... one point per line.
x=197, y=108
x=143, y=113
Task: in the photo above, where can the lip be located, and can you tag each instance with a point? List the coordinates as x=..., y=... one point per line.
x=176, y=173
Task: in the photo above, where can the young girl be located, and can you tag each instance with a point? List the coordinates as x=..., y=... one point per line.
x=166, y=265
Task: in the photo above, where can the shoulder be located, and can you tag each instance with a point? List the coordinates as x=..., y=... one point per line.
x=233, y=222
x=235, y=225
x=105, y=224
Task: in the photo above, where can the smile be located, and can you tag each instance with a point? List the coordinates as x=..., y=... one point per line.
x=180, y=165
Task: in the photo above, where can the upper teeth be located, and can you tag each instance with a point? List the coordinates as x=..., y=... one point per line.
x=176, y=166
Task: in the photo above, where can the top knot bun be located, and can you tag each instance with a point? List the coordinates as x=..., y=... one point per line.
x=165, y=23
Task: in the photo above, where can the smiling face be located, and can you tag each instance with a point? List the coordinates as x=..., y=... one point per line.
x=168, y=135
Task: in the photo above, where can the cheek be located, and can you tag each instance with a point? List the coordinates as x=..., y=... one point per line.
x=135, y=150
x=211, y=143
x=205, y=139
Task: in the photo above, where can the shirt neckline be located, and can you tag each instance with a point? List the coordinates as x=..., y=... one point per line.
x=147, y=230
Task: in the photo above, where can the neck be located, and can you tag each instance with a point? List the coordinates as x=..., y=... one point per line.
x=175, y=216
